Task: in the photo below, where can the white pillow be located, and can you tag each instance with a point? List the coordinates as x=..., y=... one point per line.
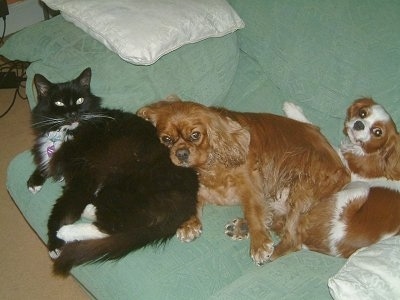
x=370, y=273
x=141, y=31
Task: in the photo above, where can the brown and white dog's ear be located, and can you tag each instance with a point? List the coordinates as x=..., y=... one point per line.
x=228, y=140
x=390, y=156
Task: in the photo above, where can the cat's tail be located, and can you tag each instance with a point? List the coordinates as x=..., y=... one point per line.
x=112, y=247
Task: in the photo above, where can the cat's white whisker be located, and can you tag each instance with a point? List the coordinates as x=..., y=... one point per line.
x=95, y=116
x=48, y=121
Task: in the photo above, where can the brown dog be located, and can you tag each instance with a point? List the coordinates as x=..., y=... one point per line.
x=250, y=159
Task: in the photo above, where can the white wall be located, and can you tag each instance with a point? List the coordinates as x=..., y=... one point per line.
x=22, y=14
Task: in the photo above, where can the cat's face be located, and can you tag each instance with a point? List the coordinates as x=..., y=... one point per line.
x=63, y=104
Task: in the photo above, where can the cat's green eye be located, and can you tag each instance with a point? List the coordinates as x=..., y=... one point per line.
x=79, y=101
x=59, y=103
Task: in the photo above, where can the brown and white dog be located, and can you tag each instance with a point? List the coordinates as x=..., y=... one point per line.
x=373, y=149
x=368, y=209
x=250, y=159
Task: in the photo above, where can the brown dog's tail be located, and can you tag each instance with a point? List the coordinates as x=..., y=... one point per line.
x=112, y=247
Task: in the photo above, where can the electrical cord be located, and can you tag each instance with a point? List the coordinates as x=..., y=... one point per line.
x=19, y=69
x=13, y=75
x=4, y=31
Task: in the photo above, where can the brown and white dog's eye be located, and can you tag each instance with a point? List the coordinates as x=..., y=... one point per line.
x=362, y=113
x=167, y=140
x=195, y=136
x=377, y=131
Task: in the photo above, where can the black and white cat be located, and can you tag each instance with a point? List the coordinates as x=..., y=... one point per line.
x=116, y=172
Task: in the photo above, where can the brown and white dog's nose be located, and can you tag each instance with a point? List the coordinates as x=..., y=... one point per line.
x=182, y=155
x=358, y=125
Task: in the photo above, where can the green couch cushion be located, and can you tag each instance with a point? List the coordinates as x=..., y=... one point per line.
x=60, y=51
x=321, y=55
x=318, y=54
x=211, y=266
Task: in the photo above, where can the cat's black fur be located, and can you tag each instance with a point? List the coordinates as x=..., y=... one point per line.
x=114, y=160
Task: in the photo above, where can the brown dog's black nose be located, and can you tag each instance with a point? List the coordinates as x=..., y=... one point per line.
x=182, y=154
x=358, y=125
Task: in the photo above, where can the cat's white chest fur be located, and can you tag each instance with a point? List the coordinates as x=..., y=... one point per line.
x=51, y=141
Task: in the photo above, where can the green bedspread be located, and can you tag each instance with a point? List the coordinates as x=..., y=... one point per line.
x=320, y=55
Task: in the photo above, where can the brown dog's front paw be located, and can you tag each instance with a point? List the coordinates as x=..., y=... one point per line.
x=282, y=249
x=189, y=230
x=262, y=252
x=237, y=229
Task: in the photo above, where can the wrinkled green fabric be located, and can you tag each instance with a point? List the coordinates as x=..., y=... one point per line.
x=320, y=55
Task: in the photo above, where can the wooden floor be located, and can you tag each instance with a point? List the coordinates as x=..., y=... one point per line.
x=25, y=267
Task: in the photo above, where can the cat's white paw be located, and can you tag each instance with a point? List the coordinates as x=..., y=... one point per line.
x=35, y=189
x=79, y=232
x=55, y=253
x=67, y=233
x=89, y=212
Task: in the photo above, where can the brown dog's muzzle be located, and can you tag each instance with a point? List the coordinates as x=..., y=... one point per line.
x=182, y=155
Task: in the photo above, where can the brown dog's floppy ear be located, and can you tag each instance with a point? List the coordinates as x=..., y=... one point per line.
x=229, y=141
x=153, y=111
x=148, y=114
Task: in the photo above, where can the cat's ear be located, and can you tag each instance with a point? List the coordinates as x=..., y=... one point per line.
x=42, y=84
x=84, y=78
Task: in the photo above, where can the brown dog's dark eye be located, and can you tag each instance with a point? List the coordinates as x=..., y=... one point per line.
x=195, y=135
x=362, y=113
x=377, y=131
x=167, y=140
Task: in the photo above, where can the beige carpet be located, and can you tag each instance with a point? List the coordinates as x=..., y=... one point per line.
x=25, y=267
